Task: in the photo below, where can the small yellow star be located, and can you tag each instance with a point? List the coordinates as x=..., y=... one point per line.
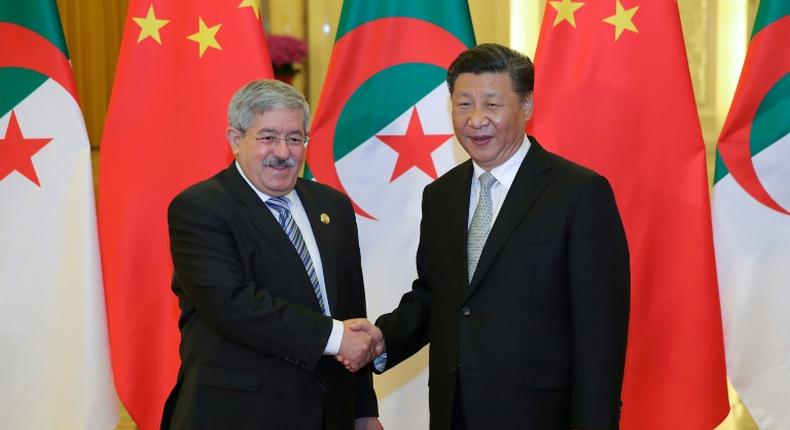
x=565, y=10
x=206, y=37
x=150, y=26
x=254, y=4
x=622, y=19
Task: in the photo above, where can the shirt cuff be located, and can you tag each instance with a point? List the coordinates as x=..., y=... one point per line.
x=380, y=362
x=335, y=338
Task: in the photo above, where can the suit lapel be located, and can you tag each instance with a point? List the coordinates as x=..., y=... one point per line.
x=263, y=220
x=324, y=239
x=531, y=179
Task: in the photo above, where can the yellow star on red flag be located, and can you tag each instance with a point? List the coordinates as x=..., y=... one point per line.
x=206, y=37
x=622, y=19
x=565, y=10
x=254, y=4
x=150, y=26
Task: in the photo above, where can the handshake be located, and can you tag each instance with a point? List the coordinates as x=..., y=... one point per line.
x=362, y=342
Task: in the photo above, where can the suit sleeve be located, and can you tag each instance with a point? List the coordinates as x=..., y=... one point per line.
x=407, y=328
x=600, y=282
x=208, y=268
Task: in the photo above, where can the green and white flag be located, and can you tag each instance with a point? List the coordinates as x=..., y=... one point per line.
x=382, y=131
x=751, y=222
x=54, y=360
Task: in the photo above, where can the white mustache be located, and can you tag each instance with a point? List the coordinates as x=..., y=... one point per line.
x=272, y=161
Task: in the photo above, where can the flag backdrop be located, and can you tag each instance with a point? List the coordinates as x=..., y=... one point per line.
x=613, y=92
x=382, y=131
x=179, y=64
x=751, y=221
x=54, y=358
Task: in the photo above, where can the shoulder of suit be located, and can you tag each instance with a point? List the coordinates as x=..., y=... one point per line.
x=571, y=170
x=460, y=172
x=325, y=193
x=207, y=195
x=206, y=186
x=320, y=189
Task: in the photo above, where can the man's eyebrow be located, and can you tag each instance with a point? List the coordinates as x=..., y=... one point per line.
x=485, y=94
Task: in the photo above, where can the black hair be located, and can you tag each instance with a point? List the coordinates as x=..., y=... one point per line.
x=495, y=58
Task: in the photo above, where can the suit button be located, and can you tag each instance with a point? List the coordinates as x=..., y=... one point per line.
x=453, y=370
x=465, y=311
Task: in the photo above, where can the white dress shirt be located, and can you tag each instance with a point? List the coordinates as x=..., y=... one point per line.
x=303, y=223
x=505, y=173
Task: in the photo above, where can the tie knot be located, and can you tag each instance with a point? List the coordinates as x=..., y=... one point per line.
x=487, y=180
x=280, y=204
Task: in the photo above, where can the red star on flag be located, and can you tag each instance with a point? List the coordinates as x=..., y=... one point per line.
x=16, y=152
x=414, y=148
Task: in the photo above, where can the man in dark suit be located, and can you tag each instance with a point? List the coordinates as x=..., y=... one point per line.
x=523, y=271
x=266, y=267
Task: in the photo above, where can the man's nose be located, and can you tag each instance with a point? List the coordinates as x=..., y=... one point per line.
x=280, y=148
x=478, y=118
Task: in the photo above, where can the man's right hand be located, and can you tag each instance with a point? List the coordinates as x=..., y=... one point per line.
x=357, y=348
x=362, y=342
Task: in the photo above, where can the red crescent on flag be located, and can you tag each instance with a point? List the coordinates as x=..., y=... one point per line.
x=767, y=61
x=369, y=43
x=32, y=51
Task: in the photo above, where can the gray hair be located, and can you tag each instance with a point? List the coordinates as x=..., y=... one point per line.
x=260, y=96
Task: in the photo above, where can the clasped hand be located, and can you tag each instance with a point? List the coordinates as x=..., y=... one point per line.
x=362, y=342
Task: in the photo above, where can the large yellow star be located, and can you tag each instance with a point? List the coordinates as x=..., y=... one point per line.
x=149, y=26
x=254, y=4
x=565, y=10
x=206, y=37
x=622, y=19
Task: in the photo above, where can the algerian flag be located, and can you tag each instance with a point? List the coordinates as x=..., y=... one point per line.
x=54, y=362
x=751, y=222
x=382, y=131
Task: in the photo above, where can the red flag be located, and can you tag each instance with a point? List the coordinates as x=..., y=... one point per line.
x=179, y=64
x=613, y=92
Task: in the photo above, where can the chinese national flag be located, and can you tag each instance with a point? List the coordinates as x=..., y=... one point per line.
x=613, y=92
x=179, y=64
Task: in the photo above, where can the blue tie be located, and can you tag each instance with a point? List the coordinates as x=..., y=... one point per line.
x=280, y=204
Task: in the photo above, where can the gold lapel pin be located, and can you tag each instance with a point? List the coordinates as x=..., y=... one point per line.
x=324, y=218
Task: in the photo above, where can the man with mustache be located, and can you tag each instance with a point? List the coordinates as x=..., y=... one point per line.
x=266, y=268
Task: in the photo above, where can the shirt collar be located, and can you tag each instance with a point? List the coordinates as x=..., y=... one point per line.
x=505, y=173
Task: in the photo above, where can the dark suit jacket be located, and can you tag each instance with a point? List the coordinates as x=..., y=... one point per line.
x=537, y=340
x=252, y=335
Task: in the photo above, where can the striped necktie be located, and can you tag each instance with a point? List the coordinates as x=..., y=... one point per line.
x=280, y=204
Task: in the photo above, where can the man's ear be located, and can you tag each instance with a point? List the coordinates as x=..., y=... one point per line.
x=234, y=139
x=527, y=105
